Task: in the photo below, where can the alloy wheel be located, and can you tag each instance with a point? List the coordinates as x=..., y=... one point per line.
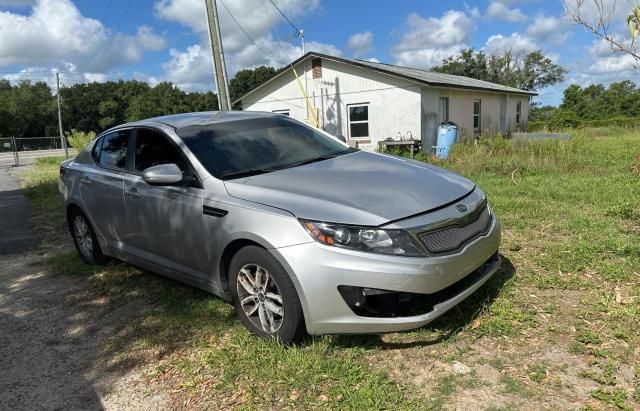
x=83, y=235
x=260, y=298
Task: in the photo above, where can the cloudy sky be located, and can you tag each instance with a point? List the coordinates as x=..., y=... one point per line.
x=157, y=40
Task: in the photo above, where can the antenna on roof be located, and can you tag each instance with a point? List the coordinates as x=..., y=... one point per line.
x=298, y=33
x=301, y=35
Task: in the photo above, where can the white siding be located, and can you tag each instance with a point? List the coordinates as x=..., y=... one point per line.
x=394, y=104
x=397, y=107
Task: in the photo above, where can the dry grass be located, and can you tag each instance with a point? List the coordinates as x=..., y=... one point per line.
x=557, y=328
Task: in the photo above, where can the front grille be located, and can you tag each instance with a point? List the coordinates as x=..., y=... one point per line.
x=453, y=237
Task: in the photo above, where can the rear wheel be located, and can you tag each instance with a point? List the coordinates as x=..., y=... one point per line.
x=264, y=296
x=84, y=238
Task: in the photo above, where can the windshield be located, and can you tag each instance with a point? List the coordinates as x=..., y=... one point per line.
x=245, y=147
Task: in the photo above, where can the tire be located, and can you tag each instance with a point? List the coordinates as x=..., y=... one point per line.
x=85, y=240
x=271, y=307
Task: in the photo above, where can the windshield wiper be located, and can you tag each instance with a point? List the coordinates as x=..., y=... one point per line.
x=246, y=173
x=316, y=159
x=256, y=171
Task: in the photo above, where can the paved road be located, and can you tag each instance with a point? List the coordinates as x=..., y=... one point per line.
x=27, y=157
x=17, y=235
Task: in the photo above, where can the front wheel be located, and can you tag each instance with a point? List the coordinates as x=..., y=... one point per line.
x=264, y=296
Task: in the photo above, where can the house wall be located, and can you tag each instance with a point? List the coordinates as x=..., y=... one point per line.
x=394, y=103
x=397, y=107
x=497, y=114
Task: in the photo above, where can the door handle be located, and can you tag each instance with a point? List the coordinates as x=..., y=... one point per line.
x=85, y=180
x=133, y=193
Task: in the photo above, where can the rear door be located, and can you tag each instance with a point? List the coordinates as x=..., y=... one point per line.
x=102, y=186
x=165, y=222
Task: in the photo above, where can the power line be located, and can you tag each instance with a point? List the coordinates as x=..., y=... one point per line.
x=30, y=72
x=106, y=11
x=297, y=32
x=247, y=34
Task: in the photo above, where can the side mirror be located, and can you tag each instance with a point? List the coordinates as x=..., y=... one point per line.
x=162, y=175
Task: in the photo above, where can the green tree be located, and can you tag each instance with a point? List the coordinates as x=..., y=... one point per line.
x=596, y=101
x=248, y=79
x=532, y=71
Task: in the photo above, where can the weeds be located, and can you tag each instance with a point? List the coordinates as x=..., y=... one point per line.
x=568, y=286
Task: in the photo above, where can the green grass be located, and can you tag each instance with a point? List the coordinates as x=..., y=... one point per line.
x=571, y=248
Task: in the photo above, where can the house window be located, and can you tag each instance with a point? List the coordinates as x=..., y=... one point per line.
x=518, y=111
x=443, y=110
x=358, y=120
x=477, y=109
x=285, y=112
x=316, y=68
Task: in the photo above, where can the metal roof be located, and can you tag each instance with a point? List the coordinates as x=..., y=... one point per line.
x=428, y=78
x=441, y=79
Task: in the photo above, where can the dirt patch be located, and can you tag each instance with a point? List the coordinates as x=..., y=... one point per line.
x=52, y=343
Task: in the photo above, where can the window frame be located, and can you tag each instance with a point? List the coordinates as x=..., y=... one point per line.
x=446, y=116
x=479, y=115
x=131, y=158
x=518, y=112
x=349, y=122
x=100, y=141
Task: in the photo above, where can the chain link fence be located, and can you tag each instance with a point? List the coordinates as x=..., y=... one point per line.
x=17, y=151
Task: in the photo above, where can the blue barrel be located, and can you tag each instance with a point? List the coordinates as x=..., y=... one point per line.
x=447, y=135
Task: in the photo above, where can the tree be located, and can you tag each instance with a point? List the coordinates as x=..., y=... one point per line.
x=248, y=79
x=600, y=25
x=595, y=101
x=29, y=109
x=531, y=71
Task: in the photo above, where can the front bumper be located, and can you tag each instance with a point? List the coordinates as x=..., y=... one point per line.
x=318, y=270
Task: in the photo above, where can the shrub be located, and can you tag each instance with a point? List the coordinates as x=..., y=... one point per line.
x=622, y=122
x=563, y=119
x=79, y=139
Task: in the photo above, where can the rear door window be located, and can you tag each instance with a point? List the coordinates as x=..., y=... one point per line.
x=111, y=151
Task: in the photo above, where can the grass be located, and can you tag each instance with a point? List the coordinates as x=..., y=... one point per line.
x=562, y=314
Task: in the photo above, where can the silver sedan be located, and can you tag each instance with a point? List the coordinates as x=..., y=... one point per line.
x=302, y=233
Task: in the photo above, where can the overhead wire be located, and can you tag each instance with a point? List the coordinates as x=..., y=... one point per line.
x=247, y=34
x=68, y=73
x=297, y=32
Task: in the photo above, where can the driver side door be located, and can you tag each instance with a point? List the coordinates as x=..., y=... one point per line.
x=165, y=222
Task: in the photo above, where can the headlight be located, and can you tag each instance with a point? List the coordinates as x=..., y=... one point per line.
x=373, y=240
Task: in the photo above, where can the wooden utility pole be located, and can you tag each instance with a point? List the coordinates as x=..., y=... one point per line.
x=62, y=139
x=224, y=103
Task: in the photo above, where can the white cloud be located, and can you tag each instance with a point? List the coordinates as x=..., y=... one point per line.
x=549, y=29
x=615, y=11
x=427, y=41
x=516, y=43
x=499, y=11
x=16, y=3
x=360, y=43
x=609, y=65
x=55, y=33
x=191, y=68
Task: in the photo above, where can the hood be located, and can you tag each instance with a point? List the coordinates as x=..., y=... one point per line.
x=360, y=188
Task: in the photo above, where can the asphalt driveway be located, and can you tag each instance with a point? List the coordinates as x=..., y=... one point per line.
x=17, y=234
x=53, y=329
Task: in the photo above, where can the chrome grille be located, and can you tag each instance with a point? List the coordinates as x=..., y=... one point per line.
x=453, y=237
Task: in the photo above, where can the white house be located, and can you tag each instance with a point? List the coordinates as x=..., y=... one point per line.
x=367, y=102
